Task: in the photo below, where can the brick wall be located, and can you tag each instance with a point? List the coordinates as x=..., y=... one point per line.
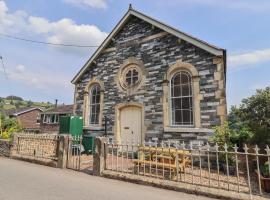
x=28, y=120
x=49, y=128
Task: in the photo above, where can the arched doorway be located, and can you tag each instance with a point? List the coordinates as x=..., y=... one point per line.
x=129, y=123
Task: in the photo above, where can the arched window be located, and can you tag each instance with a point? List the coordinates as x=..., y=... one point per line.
x=94, y=104
x=181, y=99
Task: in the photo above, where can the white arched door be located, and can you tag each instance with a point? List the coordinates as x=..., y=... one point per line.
x=131, y=124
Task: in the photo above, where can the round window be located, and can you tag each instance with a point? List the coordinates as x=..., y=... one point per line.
x=130, y=77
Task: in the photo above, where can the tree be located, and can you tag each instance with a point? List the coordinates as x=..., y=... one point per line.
x=29, y=103
x=18, y=104
x=12, y=97
x=253, y=115
x=8, y=127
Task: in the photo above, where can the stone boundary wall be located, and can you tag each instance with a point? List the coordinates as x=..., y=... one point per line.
x=37, y=148
x=36, y=145
x=5, y=147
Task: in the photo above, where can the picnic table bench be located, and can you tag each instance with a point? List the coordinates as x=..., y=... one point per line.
x=163, y=158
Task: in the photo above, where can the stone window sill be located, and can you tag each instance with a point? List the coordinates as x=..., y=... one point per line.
x=187, y=130
x=96, y=128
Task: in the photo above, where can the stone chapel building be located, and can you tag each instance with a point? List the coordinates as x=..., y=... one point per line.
x=152, y=81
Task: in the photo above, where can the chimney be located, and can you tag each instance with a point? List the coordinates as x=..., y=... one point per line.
x=56, y=100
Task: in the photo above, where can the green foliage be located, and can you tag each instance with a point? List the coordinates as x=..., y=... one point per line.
x=223, y=134
x=252, y=118
x=6, y=104
x=29, y=103
x=12, y=97
x=18, y=104
x=247, y=124
x=8, y=127
x=265, y=170
x=232, y=135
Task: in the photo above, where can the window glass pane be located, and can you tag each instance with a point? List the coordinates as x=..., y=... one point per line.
x=97, y=108
x=186, y=90
x=176, y=91
x=184, y=78
x=186, y=103
x=176, y=103
x=128, y=80
x=178, y=117
x=128, y=74
x=97, y=118
x=93, y=99
x=135, y=73
x=135, y=79
x=93, y=109
x=92, y=119
x=186, y=117
x=98, y=98
x=176, y=79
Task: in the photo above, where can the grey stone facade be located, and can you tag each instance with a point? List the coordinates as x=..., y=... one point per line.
x=156, y=55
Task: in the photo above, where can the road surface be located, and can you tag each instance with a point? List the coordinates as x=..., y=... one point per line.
x=25, y=181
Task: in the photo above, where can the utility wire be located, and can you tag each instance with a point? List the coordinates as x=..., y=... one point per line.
x=48, y=43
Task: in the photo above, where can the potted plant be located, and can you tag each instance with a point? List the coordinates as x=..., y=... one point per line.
x=265, y=177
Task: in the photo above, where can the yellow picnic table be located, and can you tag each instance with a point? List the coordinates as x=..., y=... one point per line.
x=164, y=158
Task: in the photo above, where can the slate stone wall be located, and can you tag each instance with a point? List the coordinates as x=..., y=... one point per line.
x=157, y=55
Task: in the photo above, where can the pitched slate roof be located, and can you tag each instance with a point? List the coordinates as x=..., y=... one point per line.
x=131, y=12
x=19, y=111
x=62, y=109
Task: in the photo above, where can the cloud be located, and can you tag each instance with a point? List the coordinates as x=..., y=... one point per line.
x=66, y=31
x=44, y=80
x=249, y=59
x=88, y=3
x=62, y=31
x=20, y=68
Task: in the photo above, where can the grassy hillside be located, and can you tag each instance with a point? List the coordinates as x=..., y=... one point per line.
x=9, y=103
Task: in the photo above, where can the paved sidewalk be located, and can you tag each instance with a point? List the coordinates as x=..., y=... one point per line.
x=25, y=181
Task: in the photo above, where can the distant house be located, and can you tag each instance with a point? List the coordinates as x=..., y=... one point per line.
x=50, y=119
x=28, y=117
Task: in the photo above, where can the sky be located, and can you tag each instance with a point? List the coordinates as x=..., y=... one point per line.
x=43, y=72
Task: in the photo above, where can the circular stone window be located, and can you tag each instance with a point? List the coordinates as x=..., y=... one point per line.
x=130, y=76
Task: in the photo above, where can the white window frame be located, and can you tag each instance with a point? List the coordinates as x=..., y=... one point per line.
x=96, y=123
x=47, y=119
x=170, y=101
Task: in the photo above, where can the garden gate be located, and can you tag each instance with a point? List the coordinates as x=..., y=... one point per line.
x=77, y=158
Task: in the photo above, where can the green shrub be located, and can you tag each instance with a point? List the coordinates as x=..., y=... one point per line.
x=265, y=170
x=8, y=126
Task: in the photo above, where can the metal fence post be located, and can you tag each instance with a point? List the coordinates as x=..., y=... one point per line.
x=62, y=151
x=99, y=155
